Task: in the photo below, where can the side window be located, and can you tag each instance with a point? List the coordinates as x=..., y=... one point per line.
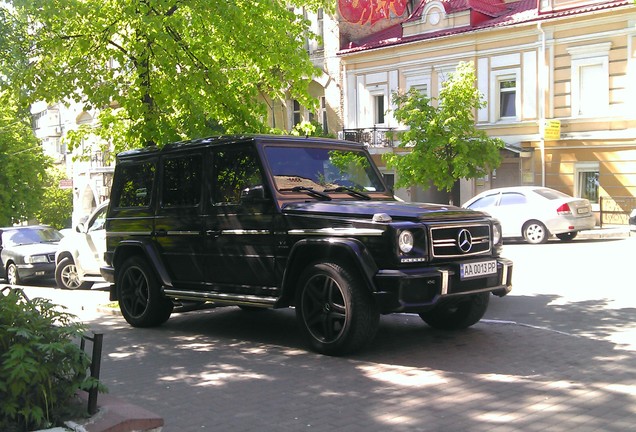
x=181, y=181
x=135, y=185
x=512, y=198
x=487, y=201
x=98, y=220
x=236, y=172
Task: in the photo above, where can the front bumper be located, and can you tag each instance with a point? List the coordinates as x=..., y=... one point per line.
x=419, y=289
x=28, y=271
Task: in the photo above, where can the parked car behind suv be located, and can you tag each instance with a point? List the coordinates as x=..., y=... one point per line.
x=80, y=254
x=27, y=252
x=272, y=222
x=535, y=213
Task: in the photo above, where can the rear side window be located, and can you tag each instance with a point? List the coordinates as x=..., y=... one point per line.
x=182, y=181
x=511, y=198
x=551, y=194
x=134, y=188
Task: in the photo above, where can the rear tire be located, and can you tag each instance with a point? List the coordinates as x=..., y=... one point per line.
x=335, y=311
x=534, y=232
x=457, y=314
x=66, y=275
x=568, y=236
x=140, y=299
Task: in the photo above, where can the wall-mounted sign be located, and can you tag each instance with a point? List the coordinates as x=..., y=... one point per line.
x=552, y=130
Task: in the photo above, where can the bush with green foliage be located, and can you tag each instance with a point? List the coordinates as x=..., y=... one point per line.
x=41, y=363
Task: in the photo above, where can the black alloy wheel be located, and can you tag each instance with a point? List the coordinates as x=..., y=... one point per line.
x=336, y=313
x=140, y=300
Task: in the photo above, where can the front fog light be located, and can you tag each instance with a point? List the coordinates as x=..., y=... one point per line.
x=405, y=241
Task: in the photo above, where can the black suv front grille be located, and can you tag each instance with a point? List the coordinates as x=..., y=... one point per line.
x=454, y=241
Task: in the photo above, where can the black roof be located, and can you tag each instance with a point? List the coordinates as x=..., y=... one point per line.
x=234, y=139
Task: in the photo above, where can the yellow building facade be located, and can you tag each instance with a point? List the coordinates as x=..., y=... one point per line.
x=559, y=78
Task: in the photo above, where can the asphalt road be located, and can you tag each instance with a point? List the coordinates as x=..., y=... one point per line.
x=557, y=354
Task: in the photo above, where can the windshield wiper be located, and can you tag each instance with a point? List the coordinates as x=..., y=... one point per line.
x=309, y=191
x=350, y=191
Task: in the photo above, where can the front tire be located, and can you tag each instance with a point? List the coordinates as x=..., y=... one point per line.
x=534, y=232
x=336, y=313
x=457, y=314
x=140, y=300
x=13, y=278
x=66, y=275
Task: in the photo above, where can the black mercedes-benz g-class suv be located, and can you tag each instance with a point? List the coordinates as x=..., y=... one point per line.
x=278, y=221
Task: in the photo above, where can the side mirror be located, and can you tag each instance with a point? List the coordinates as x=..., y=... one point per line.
x=253, y=194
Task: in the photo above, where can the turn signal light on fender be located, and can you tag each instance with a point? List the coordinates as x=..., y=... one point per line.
x=564, y=209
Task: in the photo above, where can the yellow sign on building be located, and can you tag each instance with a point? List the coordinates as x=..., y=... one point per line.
x=552, y=130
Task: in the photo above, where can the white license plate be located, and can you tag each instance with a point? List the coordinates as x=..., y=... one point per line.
x=477, y=269
x=583, y=210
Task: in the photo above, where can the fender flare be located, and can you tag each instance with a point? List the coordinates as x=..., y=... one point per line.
x=325, y=248
x=147, y=249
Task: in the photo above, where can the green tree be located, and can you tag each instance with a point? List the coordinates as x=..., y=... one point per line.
x=444, y=143
x=57, y=204
x=23, y=165
x=164, y=70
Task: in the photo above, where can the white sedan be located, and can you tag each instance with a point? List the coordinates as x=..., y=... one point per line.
x=535, y=213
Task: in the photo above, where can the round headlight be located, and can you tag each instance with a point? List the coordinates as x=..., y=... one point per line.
x=496, y=233
x=405, y=241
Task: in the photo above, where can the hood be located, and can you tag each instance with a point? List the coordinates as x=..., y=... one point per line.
x=396, y=209
x=35, y=249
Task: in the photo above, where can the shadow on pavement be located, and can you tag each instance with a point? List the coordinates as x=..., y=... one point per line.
x=232, y=368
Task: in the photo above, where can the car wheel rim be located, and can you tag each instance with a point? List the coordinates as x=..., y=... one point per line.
x=535, y=233
x=134, y=292
x=12, y=276
x=324, y=309
x=70, y=277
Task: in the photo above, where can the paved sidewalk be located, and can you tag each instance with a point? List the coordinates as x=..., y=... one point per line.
x=231, y=370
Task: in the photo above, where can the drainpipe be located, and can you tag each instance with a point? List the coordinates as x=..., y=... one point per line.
x=542, y=109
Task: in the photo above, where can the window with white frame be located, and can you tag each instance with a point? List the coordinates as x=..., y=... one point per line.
x=322, y=114
x=507, y=98
x=586, y=180
x=505, y=101
x=592, y=95
x=321, y=28
x=297, y=115
x=421, y=88
x=590, y=79
x=378, y=109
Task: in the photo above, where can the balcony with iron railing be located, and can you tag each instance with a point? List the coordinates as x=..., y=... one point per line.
x=375, y=137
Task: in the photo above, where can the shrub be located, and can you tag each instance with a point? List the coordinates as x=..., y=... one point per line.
x=41, y=363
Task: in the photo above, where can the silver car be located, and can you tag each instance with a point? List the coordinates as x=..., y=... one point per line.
x=80, y=254
x=535, y=213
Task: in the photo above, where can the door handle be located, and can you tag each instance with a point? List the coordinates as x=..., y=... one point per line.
x=161, y=233
x=213, y=233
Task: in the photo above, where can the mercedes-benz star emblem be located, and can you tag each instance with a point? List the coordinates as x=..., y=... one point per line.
x=464, y=241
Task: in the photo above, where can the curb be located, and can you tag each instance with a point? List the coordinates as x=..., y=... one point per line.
x=116, y=415
x=609, y=232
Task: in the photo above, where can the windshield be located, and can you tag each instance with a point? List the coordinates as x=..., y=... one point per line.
x=23, y=236
x=322, y=169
